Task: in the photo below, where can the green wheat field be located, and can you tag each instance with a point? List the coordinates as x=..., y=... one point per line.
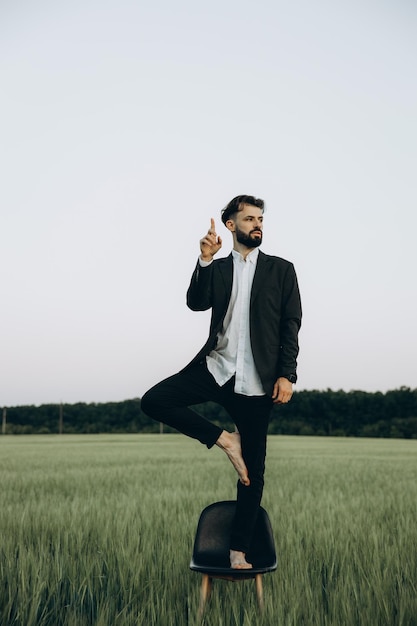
x=98, y=530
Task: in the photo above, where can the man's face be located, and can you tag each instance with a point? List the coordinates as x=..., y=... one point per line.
x=248, y=224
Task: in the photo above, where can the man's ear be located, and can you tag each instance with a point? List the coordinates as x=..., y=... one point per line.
x=230, y=225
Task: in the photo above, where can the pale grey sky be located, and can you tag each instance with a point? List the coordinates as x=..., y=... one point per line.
x=127, y=125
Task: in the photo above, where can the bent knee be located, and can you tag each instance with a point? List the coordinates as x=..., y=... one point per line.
x=149, y=403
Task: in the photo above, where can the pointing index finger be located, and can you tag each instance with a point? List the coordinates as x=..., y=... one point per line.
x=212, y=226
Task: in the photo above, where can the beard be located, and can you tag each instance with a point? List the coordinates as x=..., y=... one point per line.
x=250, y=241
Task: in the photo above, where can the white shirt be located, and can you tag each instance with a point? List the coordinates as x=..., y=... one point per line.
x=233, y=352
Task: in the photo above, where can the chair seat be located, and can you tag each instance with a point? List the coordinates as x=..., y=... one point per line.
x=212, y=542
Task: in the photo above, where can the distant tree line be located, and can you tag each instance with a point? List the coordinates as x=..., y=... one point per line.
x=324, y=413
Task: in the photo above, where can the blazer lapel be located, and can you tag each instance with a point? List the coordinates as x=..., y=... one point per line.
x=260, y=274
x=226, y=271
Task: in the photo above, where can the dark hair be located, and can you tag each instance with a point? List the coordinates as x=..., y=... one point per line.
x=236, y=204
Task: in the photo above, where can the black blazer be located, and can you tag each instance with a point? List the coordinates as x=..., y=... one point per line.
x=275, y=312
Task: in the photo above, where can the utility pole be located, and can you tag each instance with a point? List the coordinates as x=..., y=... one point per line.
x=61, y=419
x=4, y=421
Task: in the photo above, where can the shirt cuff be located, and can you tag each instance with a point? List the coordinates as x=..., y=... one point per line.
x=204, y=263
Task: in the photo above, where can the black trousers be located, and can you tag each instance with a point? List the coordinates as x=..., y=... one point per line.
x=169, y=402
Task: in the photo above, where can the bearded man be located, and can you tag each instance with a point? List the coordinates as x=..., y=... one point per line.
x=249, y=361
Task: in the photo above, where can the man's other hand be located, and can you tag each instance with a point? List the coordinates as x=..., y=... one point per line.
x=282, y=392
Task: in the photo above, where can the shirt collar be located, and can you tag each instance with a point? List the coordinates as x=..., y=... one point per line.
x=252, y=256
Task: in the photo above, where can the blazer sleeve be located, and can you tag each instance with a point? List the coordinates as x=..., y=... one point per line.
x=199, y=293
x=290, y=325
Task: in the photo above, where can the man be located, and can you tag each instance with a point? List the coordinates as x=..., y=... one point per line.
x=248, y=362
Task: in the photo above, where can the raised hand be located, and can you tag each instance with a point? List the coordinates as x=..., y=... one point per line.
x=211, y=243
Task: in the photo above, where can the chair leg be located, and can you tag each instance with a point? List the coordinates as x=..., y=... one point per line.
x=259, y=591
x=204, y=593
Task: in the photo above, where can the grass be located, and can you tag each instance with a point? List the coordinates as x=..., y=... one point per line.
x=98, y=530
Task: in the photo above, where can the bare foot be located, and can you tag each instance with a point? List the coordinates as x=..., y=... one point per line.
x=238, y=560
x=230, y=443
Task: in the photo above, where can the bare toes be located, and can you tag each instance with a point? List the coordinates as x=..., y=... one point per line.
x=238, y=560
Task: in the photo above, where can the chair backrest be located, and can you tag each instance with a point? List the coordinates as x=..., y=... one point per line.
x=212, y=540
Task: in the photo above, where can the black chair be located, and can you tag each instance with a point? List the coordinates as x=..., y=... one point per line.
x=211, y=549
